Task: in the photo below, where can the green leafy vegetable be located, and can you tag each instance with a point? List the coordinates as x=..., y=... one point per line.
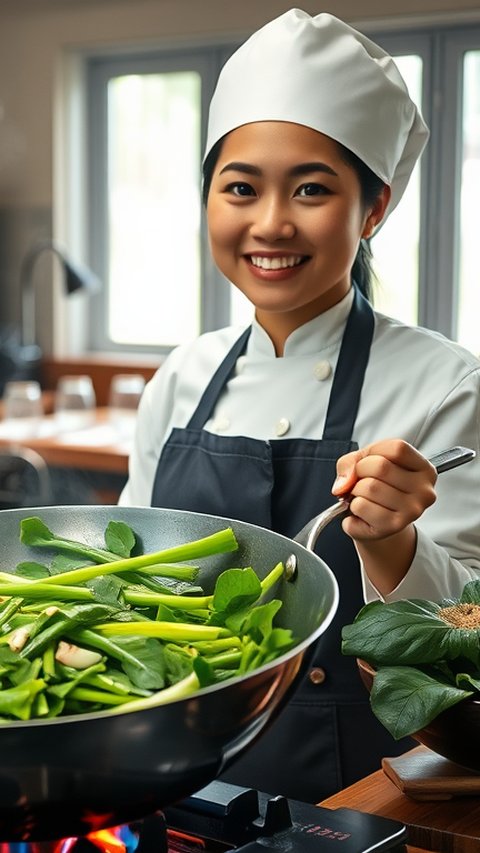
x=236, y=589
x=124, y=633
x=406, y=699
x=216, y=543
x=17, y=701
x=426, y=656
x=34, y=532
x=119, y=538
x=32, y=571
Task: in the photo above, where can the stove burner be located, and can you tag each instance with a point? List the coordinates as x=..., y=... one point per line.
x=222, y=818
x=120, y=839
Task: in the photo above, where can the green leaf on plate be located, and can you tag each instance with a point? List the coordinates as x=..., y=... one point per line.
x=406, y=699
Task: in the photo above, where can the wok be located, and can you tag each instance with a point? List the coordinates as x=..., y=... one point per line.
x=72, y=775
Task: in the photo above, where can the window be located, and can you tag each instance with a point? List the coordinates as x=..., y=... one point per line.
x=153, y=155
x=147, y=128
x=396, y=261
x=468, y=281
x=147, y=125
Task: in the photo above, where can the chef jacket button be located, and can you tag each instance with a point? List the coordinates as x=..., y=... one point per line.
x=241, y=361
x=317, y=675
x=322, y=370
x=221, y=423
x=282, y=426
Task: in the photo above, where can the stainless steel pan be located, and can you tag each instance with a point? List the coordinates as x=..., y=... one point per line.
x=64, y=777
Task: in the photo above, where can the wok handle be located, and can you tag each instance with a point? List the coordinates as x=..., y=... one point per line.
x=443, y=461
x=451, y=458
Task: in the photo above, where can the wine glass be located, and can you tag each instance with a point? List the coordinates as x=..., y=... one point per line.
x=75, y=402
x=125, y=392
x=22, y=406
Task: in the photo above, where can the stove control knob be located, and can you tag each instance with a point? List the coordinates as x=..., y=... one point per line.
x=277, y=816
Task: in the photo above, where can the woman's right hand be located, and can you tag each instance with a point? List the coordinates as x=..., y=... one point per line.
x=391, y=485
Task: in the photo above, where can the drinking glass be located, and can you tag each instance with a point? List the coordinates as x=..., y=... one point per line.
x=75, y=402
x=22, y=406
x=125, y=392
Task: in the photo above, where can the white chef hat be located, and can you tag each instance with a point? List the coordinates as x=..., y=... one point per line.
x=320, y=72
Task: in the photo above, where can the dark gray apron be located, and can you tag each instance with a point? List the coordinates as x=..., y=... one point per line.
x=326, y=737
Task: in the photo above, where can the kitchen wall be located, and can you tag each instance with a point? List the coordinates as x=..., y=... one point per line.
x=39, y=40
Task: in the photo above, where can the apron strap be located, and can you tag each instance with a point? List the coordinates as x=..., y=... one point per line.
x=218, y=381
x=350, y=370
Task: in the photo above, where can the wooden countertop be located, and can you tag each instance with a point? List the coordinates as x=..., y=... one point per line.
x=95, y=448
x=443, y=826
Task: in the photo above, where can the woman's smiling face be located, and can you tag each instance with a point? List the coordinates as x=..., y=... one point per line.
x=285, y=218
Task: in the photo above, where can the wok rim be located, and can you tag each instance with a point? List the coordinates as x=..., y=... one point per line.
x=278, y=662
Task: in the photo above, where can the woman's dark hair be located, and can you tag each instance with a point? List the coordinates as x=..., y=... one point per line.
x=371, y=187
x=209, y=167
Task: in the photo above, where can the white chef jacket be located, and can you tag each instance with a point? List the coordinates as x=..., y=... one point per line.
x=419, y=386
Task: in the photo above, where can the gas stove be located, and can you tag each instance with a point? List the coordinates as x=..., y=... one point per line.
x=222, y=817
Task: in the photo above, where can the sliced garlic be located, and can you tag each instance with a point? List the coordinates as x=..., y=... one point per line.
x=76, y=657
x=18, y=639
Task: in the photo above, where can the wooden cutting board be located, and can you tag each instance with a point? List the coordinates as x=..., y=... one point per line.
x=424, y=775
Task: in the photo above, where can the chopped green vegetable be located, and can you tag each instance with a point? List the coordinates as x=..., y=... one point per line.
x=120, y=538
x=217, y=543
x=35, y=533
x=126, y=632
x=183, y=688
x=41, y=590
x=186, y=632
x=17, y=701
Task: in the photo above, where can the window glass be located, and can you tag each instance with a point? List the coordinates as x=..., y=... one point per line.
x=469, y=259
x=395, y=247
x=153, y=208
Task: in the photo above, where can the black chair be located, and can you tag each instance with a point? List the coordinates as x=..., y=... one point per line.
x=24, y=479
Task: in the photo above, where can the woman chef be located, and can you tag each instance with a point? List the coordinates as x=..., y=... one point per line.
x=312, y=139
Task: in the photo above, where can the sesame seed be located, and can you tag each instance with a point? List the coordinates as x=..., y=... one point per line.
x=461, y=615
